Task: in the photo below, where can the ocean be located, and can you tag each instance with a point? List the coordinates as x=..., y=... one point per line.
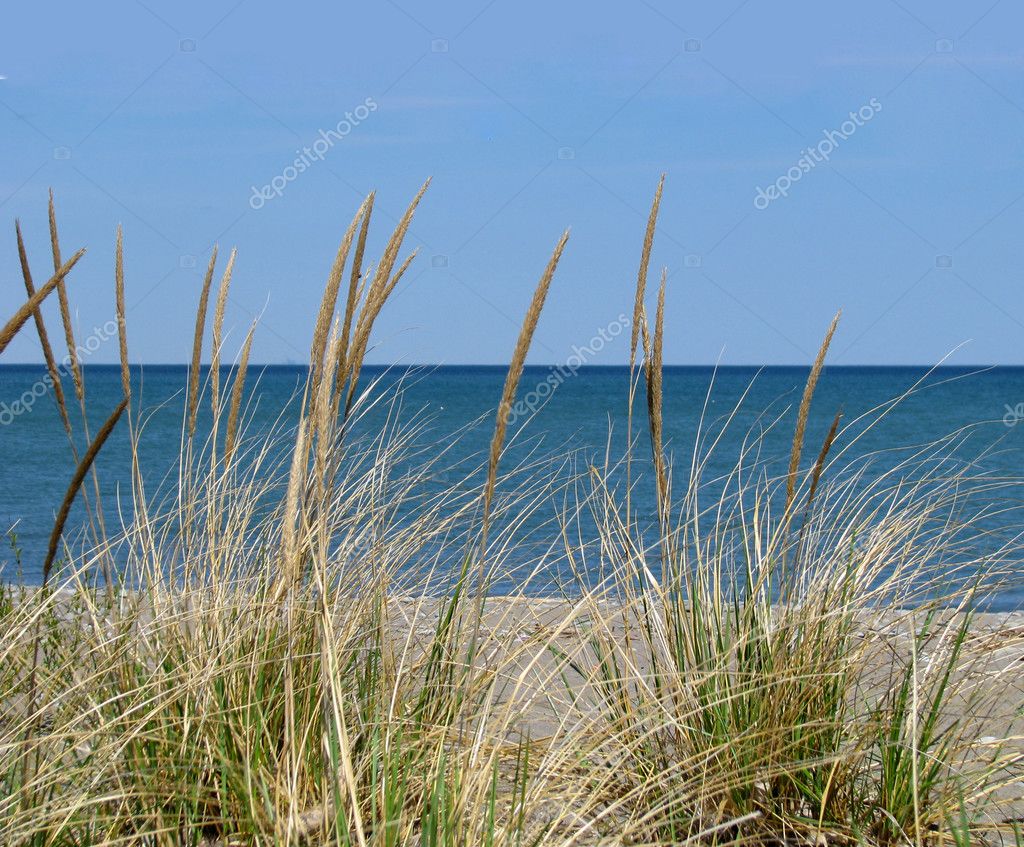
x=582, y=413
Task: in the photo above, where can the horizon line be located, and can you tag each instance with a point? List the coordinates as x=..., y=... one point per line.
x=624, y=365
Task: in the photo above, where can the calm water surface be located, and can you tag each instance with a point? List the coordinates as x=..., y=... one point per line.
x=35, y=457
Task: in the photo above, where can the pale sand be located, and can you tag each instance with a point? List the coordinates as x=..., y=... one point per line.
x=518, y=632
x=991, y=702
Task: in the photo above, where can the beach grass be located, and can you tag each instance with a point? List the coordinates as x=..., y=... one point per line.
x=300, y=643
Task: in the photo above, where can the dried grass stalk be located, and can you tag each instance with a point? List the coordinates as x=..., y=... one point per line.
x=237, y=392
x=197, y=346
x=122, y=325
x=76, y=483
x=218, y=329
x=329, y=302
x=358, y=350
x=639, y=322
x=28, y=308
x=515, y=372
x=355, y=284
x=44, y=338
x=374, y=293
x=77, y=376
x=641, y=277
x=321, y=419
x=292, y=513
x=377, y=293
x=655, y=403
x=804, y=412
x=65, y=307
x=819, y=463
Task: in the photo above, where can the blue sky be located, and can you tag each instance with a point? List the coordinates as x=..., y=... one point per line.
x=532, y=117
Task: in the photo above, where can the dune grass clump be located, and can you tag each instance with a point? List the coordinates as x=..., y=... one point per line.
x=297, y=643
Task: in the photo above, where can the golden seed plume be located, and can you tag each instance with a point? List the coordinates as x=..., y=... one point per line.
x=804, y=412
x=197, y=345
x=28, y=308
x=819, y=464
x=515, y=371
x=65, y=307
x=355, y=286
x=322, y=422
x=358, y=349
x=639, y=322
x=393, y=282
x=329, y=302
x=376, y=294
x=641, y=278
x=122, y=325
x=237, y=391
x=218, y=329
x=655, y=400
x=296, y=483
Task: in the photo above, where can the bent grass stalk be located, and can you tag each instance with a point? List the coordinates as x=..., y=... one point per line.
x=29, y=307
x=97, y=520
x=44, y=341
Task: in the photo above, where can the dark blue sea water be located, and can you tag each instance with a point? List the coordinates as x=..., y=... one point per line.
x=35, y=463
